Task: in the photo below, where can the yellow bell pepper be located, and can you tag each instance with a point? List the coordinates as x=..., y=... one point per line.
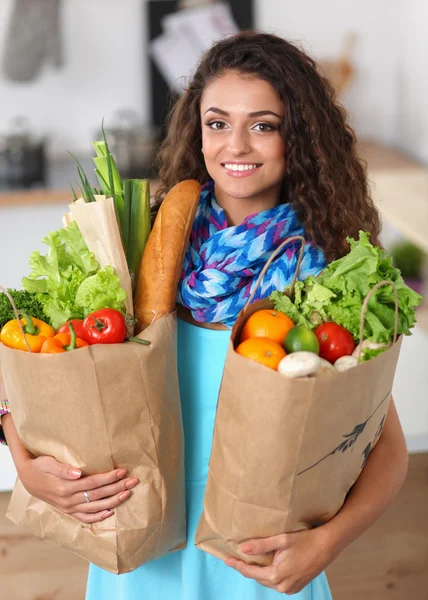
x=36, y=332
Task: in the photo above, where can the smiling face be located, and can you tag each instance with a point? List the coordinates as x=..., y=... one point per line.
x=243, y=148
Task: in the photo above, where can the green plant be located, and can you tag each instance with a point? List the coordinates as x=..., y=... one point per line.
x=408, y=258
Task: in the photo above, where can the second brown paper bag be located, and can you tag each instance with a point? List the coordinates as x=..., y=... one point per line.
x=103, y=407
x=287, y=451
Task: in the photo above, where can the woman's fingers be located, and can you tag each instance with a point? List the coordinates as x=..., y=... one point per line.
x=50, y=466
x=63, y=486
x=105, y=491
x=101, y=505
x=92, y=517
x=91, y=482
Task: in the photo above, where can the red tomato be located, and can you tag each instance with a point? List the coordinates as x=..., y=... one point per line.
x=335, y=341
x=78, y=328
x=105, y=326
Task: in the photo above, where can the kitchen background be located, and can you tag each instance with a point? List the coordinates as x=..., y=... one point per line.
x=93, y=61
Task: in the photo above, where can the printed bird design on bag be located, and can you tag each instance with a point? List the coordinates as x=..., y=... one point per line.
x=351, y=438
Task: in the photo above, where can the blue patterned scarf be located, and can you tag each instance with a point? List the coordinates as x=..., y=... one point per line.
x=222, y=263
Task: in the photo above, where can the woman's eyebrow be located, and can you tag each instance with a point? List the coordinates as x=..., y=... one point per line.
x=259, y=113
x=217, y=110
x=262, y=113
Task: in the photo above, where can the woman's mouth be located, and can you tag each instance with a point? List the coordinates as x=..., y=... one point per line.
x=241, y=169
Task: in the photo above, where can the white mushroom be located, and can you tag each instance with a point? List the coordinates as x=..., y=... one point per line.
x=345, y=362
x=326, y=368
x=299, y=364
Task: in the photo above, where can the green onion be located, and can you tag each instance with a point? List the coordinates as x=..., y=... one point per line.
x=108, y=174
x=131, y=201
x=138, y=205
x=87, y=193
x=74, y=193
x=125, y=224
x=105, y=166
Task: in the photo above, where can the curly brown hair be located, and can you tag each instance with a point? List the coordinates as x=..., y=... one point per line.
x=325, y=181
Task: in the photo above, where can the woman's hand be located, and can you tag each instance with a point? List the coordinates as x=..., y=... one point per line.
x=63, y=487
x=299, y=557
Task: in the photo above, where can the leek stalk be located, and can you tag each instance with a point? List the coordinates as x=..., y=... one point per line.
x=137, y=229
x=108, y=176
x=132, y=205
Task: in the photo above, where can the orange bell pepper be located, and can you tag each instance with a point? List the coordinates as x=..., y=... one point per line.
x=63, y=342
x=36, y=332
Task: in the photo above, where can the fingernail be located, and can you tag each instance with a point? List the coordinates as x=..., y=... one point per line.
x=108, y=513
x=247, y=548
x=121, y=473
x=75, y=472
x=124, y=495
x=131, y=483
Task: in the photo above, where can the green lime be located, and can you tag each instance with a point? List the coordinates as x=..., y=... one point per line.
x=301, y=338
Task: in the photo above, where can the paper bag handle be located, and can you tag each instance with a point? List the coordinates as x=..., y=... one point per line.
x=15, y=310
x=364, y=310
x=269, y=262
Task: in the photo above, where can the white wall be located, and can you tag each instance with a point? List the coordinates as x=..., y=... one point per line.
x=387, y=100
x=321, y=28
x=412, y=120
x=104, y=70
x=106, y=66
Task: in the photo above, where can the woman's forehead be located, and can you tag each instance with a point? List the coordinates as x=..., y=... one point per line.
x=236, y=90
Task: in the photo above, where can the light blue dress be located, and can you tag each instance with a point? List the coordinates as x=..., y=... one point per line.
x=192, y=574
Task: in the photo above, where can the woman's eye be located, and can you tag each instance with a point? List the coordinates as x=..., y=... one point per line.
x=216, y=125
x=264, y=127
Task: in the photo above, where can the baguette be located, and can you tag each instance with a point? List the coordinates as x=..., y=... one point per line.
x=161, y=265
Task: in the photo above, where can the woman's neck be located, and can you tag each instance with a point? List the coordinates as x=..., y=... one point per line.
x=238, y=209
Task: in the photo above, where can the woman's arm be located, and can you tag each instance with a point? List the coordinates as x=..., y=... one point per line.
x=301, y=556
x=18, y=451
x=4, y=407
x=63, y=486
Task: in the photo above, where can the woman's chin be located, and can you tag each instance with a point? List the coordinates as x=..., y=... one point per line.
x=239, y=188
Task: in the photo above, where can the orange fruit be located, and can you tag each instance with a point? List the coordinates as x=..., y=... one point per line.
x=267, y=323
x=262, y=350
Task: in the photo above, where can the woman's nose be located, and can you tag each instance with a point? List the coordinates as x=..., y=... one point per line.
x=239, y=142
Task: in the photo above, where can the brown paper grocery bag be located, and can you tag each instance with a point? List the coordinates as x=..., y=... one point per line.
x=99, y=408
x=287, y=451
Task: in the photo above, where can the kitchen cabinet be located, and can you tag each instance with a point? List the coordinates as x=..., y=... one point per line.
x=399, y=187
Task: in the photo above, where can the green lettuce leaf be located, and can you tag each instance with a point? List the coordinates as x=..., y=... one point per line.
x=368, y=354
x=338, y=293
x=101, y=290
x=76, y=251
x=57, y=278
x=58, y=311
x=285, y=305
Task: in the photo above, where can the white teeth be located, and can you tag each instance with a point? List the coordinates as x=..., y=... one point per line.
x=235, y=167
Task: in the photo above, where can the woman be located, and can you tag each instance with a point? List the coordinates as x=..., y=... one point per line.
x=260, y=128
